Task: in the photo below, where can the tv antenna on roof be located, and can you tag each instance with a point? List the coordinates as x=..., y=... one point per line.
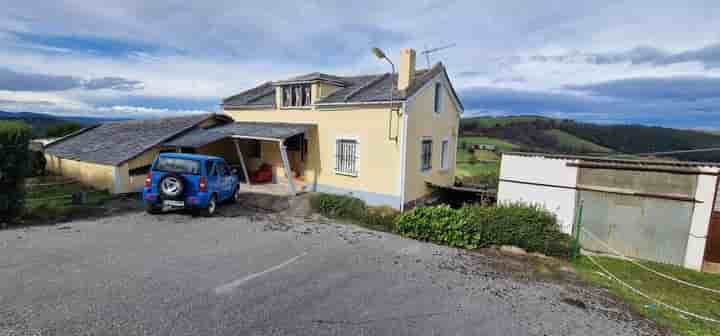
x=427, y=51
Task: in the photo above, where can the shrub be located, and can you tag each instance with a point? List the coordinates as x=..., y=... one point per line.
x=337, y=206
x=38, y=163
x=353, y=209
x=14, y=167
x=531, y=228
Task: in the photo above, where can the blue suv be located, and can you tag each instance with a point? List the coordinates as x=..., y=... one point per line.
x=189, y=181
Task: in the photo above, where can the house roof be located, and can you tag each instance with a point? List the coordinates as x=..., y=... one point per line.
x=353, y=89
x=252, y=130
x=116, y=142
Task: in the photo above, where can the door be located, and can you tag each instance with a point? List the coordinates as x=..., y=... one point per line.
x=712, y=245
x=213, y=180
x=225, y=179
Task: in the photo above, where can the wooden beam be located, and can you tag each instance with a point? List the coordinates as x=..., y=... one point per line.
x=242, y=161
x=286, y=165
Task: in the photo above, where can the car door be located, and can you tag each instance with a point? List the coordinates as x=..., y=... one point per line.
x=226, y=180
x=212, y=176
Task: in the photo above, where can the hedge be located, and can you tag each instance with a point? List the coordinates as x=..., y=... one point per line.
x=532, y=228
x=14, y=167
x=355, y=210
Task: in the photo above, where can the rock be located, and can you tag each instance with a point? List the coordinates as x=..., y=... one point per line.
x=514, y=250
x=539, y=255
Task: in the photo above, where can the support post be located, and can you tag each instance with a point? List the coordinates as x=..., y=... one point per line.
x=242, y=161
x=286, y=166
x=578, y=229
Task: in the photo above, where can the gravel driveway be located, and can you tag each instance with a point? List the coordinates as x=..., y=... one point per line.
x=254, y=272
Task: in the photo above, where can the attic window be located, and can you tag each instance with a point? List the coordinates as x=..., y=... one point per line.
x=296, y=95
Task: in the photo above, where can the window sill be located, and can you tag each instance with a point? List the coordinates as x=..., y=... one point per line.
x=296, y=107
x=346, y=174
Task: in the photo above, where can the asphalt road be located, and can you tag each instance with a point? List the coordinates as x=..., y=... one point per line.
x=174, y=274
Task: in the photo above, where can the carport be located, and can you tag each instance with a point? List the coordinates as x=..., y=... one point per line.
x=237, y=131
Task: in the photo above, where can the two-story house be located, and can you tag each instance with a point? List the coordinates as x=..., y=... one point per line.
x=379, y=145
x=383, y=138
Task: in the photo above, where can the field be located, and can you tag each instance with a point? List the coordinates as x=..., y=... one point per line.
x=567, y=140
x=687, y=298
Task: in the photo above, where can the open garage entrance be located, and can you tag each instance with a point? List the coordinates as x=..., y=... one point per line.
x=269, y=157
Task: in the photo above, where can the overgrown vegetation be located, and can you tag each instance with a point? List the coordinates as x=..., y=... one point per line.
x=49, y=199
x=14, y=167
x=355, y=210
x=532, y=228
x=60, y=130
x=684, y=297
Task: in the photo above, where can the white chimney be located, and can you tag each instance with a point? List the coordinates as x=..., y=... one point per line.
x=406, y=76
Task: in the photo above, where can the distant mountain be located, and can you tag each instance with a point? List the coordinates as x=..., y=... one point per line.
x=41, y=121
x=540, y=134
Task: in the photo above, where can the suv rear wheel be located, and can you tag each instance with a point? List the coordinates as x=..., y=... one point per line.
x=211, y=208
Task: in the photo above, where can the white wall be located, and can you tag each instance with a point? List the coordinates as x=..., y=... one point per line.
x=536, y=180
x=700, y=221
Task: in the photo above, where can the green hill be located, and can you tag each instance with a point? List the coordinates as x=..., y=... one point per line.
x=568, y=140
x=534, y=133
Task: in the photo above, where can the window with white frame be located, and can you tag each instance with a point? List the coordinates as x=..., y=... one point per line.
x=438, y=98
x=445, y=154
x=347, y=156
x=296, y=95
x=426, y=155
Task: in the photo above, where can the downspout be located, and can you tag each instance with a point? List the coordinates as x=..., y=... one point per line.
x=403, y=155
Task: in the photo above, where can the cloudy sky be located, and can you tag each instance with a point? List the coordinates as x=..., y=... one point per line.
x=652, y=62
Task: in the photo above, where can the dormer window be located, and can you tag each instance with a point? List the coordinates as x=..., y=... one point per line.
x=297, y=95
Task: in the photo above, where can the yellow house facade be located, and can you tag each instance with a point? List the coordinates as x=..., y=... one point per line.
x=388, y=139
x=385, y=148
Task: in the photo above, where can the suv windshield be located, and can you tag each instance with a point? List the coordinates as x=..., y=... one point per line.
x=175, y=165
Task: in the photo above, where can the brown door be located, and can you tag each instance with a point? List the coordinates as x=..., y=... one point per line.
x=712, y=246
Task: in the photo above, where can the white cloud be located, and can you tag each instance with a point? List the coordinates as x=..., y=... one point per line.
x=211, y=49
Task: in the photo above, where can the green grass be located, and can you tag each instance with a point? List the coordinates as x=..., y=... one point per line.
x=687, y=298
x=39, y=206
x=475, y=169
x=568, y=140
x=502, y=145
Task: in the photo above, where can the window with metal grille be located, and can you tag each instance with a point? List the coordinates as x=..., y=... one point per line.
x=426, y=155
x=445, y=154
x=297, y=95
x=347, y=157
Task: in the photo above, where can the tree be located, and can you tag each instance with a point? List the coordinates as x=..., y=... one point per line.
x=63, y=129
x=14, y=167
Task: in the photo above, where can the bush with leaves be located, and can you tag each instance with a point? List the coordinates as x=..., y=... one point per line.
x=354, y=209
x=14, y=167
x=532, y=228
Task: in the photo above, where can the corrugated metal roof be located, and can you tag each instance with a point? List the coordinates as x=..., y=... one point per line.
x=618, y=161
x=258, y=130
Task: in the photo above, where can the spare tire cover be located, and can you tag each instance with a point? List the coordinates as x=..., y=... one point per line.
x=171, y=186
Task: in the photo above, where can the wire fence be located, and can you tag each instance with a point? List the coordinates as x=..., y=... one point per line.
x=614, y=277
